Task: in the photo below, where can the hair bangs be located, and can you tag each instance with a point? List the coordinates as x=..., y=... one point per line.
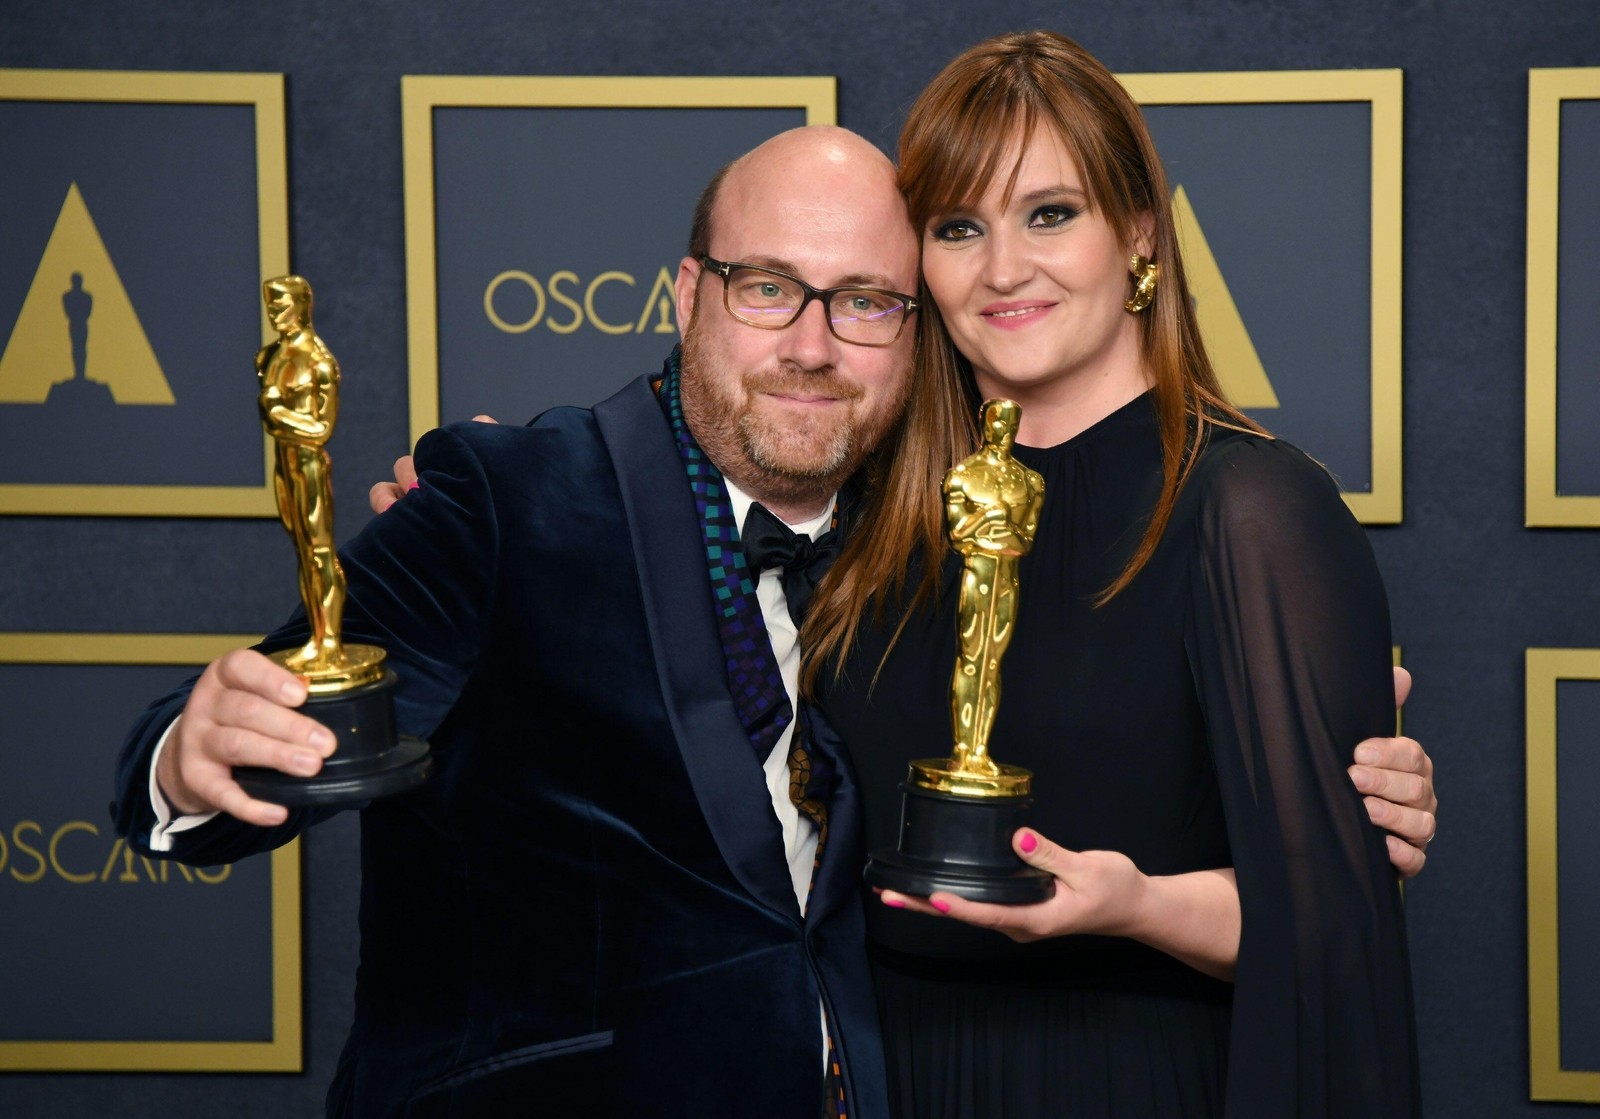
x=949, y=156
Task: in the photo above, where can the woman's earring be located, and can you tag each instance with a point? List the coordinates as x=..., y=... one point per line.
x=1148, y=272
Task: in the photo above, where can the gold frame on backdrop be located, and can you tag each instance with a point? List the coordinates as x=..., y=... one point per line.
x=1384, y=90
x=1543, y=505
x=1547, y=1079
x=420, y=95
x=284, y=1052
x=265, y=93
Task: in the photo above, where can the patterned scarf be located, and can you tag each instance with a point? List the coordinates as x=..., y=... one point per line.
x=754, y=681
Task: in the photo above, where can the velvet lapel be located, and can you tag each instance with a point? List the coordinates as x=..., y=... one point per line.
x=838, y=878
x=728, y=783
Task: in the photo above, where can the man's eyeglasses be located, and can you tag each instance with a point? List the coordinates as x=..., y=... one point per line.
x=772, y=300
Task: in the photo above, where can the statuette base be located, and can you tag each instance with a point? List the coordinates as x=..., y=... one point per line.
x=369, y=762
x=961, y=845
x=357, y=666
x=943, y=775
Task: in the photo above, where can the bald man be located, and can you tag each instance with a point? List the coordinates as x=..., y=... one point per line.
x=605, y=902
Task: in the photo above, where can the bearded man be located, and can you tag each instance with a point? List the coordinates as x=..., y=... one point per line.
x=603, y=903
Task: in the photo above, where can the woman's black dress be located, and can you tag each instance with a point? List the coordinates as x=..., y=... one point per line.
x=1205, y=717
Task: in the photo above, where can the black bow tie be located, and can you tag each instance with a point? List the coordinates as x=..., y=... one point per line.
x=768, y=543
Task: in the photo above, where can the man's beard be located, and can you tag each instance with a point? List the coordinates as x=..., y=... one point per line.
x=780, y=457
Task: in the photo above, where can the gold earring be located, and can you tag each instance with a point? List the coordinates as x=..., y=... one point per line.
x=1148, y=272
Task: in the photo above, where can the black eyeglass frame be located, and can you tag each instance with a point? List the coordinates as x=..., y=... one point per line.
x=724, y=268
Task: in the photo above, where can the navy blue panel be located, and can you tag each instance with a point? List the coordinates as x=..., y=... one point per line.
x=172, y=191
x=567, y=196
x=1578, y=302
x=1578, y=840
x=96, y=946
x=1283, y=193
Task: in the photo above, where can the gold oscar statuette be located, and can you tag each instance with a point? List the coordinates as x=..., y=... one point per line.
x=958, y=814
x=351, y=689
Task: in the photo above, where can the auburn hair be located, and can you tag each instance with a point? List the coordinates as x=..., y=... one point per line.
x=957, y=133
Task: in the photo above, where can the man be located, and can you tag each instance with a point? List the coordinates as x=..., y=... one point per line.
x=604, y=903
x=594, y=908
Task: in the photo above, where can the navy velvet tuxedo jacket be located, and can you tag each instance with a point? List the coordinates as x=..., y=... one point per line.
x=587, y=910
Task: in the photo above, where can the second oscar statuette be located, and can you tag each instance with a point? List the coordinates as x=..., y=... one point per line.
x=958, y=814
x=351, y=689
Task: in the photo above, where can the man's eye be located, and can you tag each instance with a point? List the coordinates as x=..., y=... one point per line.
x=870, y=303
x=762, y=291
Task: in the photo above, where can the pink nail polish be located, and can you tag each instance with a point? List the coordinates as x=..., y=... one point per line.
x=894, y=903
x=415, y=485
x=1028, y=842
x=940, y=904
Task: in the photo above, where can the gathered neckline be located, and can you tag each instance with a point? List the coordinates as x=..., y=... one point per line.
x=1140, y=407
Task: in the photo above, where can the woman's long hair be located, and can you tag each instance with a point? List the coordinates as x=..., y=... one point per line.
x=951, y=148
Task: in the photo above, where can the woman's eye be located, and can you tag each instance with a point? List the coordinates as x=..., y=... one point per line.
x=770, y=291
x=1049, y=216
x=954, y=231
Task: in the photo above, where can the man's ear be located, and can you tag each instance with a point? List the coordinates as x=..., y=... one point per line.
x=684, y=288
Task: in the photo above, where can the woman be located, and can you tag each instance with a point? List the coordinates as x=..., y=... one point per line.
x=1202, y=630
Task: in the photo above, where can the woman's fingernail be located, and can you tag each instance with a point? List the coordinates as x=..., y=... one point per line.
x=1028, y=842
x=940, y=904
x=894, y=903
x=415, y=485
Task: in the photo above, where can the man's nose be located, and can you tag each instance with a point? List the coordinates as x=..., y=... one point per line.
x=808, y=342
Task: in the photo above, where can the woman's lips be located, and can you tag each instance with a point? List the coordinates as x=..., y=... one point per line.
x=1014, y=315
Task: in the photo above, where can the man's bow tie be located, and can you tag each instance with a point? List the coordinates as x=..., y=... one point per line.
x=768, y=543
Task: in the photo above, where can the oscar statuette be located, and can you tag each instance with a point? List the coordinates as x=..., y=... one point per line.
x=958, y=814
x=351, y=691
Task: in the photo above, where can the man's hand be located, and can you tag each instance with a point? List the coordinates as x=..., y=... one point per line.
x=240, y=713
x=1396, y=775
x=385, y=494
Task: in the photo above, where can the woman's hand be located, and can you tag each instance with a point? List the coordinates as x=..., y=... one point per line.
x=1193, y=917
x=1095, y=892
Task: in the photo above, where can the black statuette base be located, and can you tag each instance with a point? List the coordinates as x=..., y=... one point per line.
x=961, y=845
x=370, y=762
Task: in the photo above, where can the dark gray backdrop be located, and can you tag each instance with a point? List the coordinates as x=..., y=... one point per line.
x=1470, y=588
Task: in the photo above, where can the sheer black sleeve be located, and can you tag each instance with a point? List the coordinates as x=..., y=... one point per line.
x=1288, y=640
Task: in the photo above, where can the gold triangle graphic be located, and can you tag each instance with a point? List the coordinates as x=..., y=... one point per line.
x=49, y=341
x=1233, y=355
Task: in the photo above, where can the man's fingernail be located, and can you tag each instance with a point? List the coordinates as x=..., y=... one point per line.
x=940, y=904
x=894, y=903
x=1028, y=842
x=323, y=740
x=293, y=692
x=1366, y=755
x=306, y=763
